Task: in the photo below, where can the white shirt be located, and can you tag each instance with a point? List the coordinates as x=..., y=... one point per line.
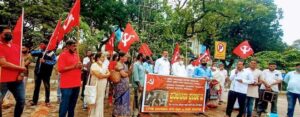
x=98, y=68
x=217, y=75
x=162, y=66
x=245, y=76
x=224, y=73
x=253, y=90
x=105, y=64
x=179, y=70
x=271, y=77
x=86, y=60
x=190, y=70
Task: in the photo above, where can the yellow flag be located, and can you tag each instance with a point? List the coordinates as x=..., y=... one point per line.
x=220, y=50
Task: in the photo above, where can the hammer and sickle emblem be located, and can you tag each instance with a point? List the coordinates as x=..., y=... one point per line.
x=245, y=49
x=151, y=81
x=70, y=18
x=126, y=38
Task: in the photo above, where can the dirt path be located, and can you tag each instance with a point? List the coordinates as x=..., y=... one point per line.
x=53, y=111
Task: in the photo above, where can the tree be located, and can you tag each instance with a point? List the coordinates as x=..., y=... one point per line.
x=235, y=21
x=285, y=60
x=161, y=24
x=40, y=17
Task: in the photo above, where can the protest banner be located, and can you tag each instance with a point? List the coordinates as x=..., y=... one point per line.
x=173, y=94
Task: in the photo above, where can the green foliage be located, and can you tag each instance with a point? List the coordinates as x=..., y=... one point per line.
x=40, y=17
x=158, y=23
x=285, y=60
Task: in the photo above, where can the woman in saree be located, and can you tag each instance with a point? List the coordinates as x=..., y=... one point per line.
x=121, y=107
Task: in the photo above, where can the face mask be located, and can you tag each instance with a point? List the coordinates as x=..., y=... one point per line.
x=24, y=52
x=203, y=64
x=43, y=47
x=7, y=37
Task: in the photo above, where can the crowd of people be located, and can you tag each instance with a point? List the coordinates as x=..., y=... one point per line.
x=247, y=85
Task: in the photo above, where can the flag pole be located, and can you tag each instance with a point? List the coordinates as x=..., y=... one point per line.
x=21, y=42
x=21, y=75
x=47, y=46
x=77, y=42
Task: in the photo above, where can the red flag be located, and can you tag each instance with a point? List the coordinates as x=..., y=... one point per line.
x=18, y=31
x=54, y=38
x=73, y=18
x=109, y=46
x=144, y=49
x=60, y=35
x=129, y=36
x=154, y=82
x=18, y=34
x=176, y=54
x=243, y=50
x=206, y=56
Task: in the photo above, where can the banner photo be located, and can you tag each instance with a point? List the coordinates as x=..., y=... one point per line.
x=169, y=94
x=220, y=50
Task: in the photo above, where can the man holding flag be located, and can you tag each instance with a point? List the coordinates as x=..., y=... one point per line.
x=43, y=70
x=11, y=71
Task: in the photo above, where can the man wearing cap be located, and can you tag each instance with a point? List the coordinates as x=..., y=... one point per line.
x=178, y=68
x=293, y=89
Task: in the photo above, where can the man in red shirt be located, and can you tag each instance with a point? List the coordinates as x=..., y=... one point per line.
x=69, y=66
x=10, y=71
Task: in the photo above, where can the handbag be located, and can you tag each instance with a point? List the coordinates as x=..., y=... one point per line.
x=90, y=92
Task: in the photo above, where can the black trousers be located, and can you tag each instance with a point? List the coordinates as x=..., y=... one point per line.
x=84, y=78
x=38, y=80
x=207, y=96
x=232, y=96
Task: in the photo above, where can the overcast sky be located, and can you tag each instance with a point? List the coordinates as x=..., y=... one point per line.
x=291, y=19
